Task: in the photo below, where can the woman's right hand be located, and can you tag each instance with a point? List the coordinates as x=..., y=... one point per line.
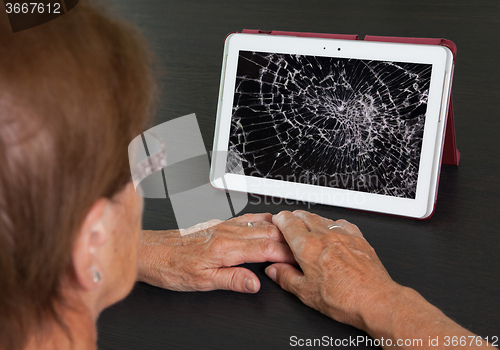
x=343, y=278
x=341, y=273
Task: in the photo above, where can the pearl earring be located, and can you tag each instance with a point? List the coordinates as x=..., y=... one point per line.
x=97, y=276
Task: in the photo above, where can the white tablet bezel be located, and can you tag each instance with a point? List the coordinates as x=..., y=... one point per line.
x=442, y=63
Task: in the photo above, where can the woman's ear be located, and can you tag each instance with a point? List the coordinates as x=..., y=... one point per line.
x=86, y=256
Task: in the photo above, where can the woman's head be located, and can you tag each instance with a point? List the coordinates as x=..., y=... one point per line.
x=73, y=93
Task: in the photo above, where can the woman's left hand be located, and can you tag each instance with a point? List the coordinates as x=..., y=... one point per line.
x=204, y=257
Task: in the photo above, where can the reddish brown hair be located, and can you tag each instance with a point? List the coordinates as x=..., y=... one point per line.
x=73, y=93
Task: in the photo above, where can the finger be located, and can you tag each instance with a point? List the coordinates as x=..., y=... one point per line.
x=237, y=279
x=317, y=223
x=343, y=227
x=262, y=229
x=252, y=217
x=265, y=229
x=312, y=221
x=255, y=251
x=287, y=276
x=349, y=227
x=292, y=228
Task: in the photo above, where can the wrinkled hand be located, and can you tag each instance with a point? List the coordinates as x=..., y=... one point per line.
x=341, y=274
x=205, y=259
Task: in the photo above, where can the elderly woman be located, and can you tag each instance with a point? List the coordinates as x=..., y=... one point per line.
x=73, y=93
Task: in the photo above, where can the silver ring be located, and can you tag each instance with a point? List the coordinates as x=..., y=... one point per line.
x=332, y=226
x=250, y=224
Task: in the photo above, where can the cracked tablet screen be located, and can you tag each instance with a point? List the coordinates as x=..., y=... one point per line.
x=337, y=122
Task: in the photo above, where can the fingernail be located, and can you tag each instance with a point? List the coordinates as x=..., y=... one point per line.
x=271, y=272
x=250, y=285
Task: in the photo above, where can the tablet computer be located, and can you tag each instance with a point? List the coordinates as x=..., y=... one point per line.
x=347, y=123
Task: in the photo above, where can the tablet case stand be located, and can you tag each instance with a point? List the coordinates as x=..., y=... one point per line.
x=450, y=155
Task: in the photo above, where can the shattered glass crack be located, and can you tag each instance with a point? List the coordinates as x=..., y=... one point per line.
x=344, y=123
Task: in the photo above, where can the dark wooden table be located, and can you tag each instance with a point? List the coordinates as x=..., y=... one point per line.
x=453, y=259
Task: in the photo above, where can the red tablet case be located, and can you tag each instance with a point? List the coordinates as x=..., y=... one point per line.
x=450, y=155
